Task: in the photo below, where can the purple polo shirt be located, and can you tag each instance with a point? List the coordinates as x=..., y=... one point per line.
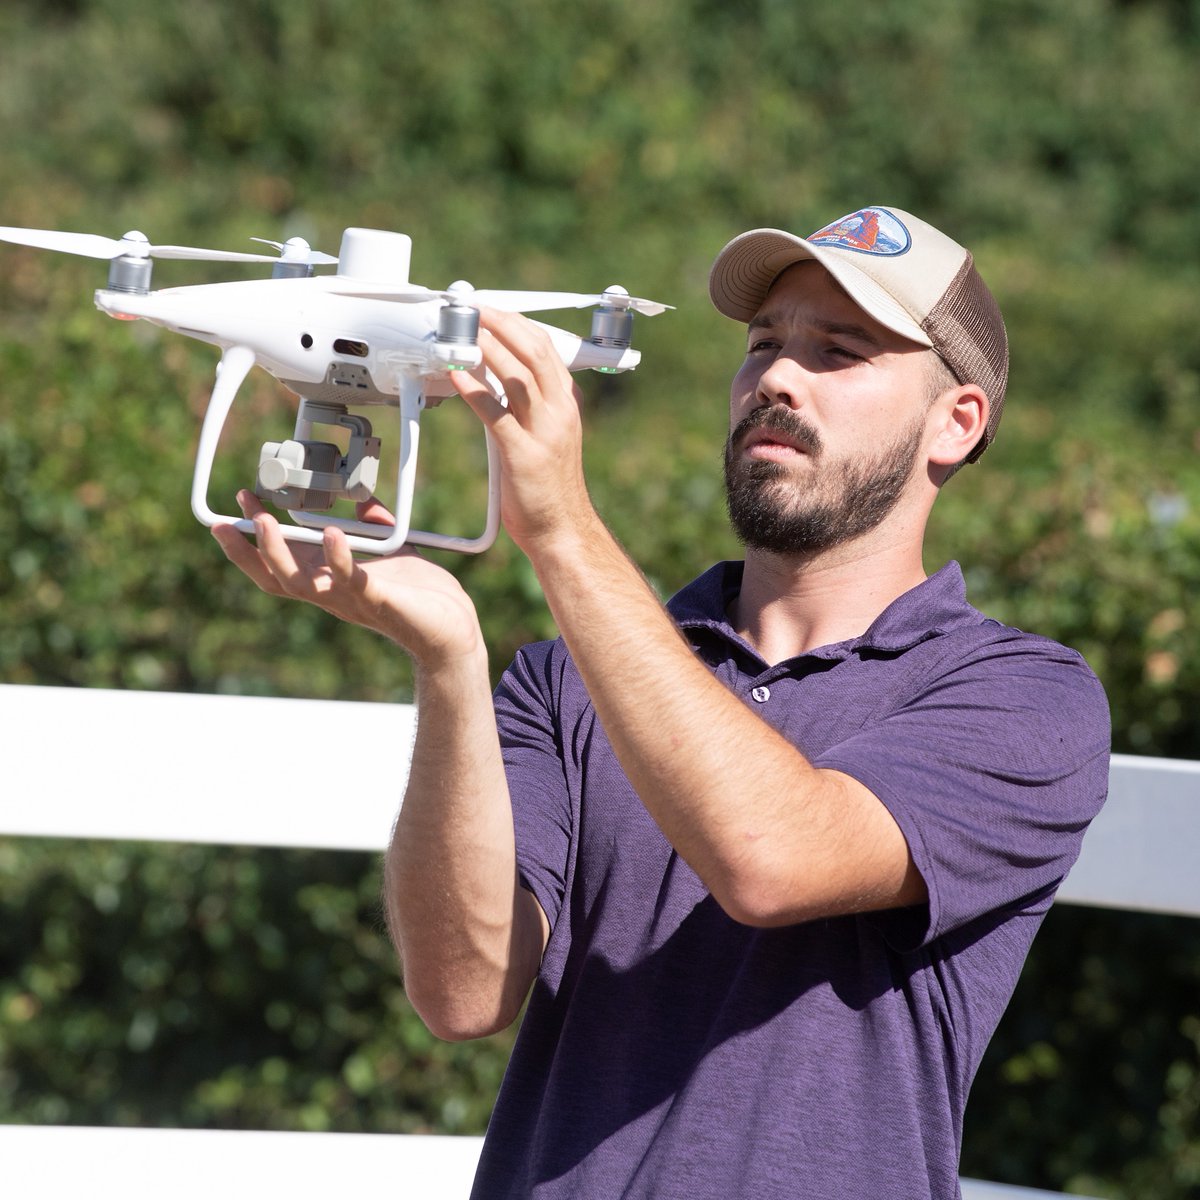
x=670, y=1052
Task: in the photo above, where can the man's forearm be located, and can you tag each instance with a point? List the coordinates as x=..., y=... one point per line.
x=469, y=937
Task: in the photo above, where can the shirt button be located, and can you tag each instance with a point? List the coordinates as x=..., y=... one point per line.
x=761, y=694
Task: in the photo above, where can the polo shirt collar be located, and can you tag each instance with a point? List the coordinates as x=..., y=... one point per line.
x=935, y=606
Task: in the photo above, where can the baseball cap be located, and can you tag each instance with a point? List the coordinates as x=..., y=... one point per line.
x=907, y=275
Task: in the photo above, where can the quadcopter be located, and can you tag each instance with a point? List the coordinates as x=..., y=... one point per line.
x=363, y=336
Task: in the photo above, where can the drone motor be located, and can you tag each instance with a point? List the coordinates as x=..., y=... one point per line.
x=612, y=321
x=458, y=321
x=297, y=259
x=131, y=272
x=292, y=270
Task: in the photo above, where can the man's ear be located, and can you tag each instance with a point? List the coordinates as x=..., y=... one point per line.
x=961, y=417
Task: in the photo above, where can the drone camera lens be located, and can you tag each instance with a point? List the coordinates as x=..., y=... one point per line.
x=351, y=348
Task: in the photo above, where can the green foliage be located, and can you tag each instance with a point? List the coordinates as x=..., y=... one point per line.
x=231, y=988
x=538, y=144
x=1075, y=1091
x=1105, y=554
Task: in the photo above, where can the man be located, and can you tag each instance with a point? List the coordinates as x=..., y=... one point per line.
x=771, y=859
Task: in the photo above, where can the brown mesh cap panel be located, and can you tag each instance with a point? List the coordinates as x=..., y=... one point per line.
x=967, y=330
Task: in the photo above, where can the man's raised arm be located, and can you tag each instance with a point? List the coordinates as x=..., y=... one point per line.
x=469, y=936
x=801, y=843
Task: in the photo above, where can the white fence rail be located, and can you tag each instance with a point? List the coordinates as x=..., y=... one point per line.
x=86, y=763
x=40, y=1162
x=227, y=770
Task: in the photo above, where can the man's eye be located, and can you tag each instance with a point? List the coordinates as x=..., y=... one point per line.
x=763, y=344
x=844, y=354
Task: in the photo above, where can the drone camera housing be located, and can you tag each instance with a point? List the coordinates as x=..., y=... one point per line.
x=288, y=474
x=302, y=473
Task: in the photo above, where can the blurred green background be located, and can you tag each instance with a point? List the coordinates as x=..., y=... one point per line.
x=540, y=144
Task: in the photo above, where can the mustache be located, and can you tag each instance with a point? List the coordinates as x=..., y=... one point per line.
x=778, y=418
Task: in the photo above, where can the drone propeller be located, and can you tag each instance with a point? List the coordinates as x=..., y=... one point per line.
x=398, y=293
x=612, y=297
x=507, y=300
x=297, y=250
x=132, y=245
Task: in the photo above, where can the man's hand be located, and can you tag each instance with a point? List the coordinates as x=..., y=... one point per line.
x=407, y=599
x=538, y=433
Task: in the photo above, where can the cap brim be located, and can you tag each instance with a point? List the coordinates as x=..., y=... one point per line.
x=744, y=271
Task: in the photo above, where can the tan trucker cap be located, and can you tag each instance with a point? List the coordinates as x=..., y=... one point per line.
x=908, y=276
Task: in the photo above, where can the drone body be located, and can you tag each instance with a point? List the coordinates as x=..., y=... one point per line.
x=364, y=336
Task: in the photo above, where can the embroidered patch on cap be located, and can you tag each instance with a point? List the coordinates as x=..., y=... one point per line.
x=868, y=231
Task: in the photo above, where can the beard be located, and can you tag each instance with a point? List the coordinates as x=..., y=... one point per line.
x=772, y=509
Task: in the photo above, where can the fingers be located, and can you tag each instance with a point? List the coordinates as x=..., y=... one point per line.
x=374, y=512
x=273, y=564
x=275, y=551
x=244, y=555
x=483, y=402
x=342, y=567
x=523, y=359
x=522, y=354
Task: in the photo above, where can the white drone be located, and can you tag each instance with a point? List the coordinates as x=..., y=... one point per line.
x=363, y=336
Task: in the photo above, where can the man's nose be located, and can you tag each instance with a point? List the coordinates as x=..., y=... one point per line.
x=785, y=381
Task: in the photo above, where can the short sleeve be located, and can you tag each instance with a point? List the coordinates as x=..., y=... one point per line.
x=537, y=785
x=992, y=769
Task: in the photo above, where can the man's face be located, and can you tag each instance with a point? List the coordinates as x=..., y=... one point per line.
x=827, y=415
